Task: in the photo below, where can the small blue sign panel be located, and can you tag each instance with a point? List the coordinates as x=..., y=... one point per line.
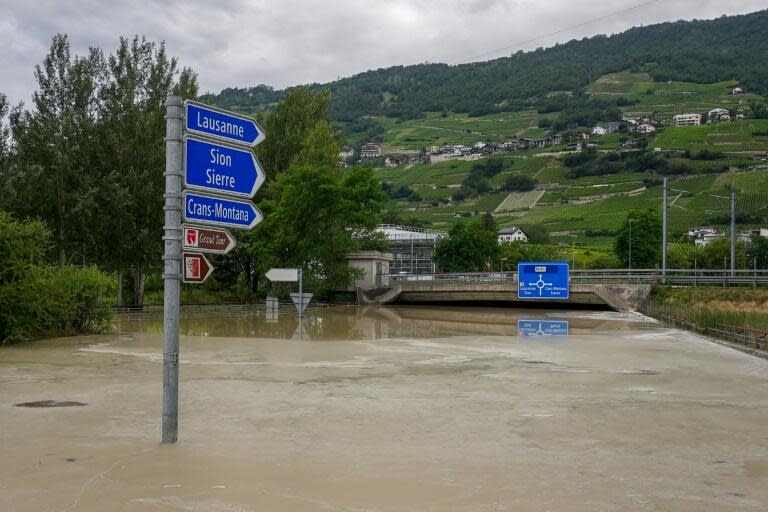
x=220, y=168
x=221, y=124
x=547, y=280
x=217, y=211
x=533, y=328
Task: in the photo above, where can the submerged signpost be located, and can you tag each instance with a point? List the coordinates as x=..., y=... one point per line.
x=291, y=275
x=208, y=150
x=543, y=280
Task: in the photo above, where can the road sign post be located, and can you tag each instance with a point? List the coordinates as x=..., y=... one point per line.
x=223, y=168
x=220, y=211
x=172, y=268
x=222, y=125
x=197, y=268
x=210, y=240
x=291, y=275
x=543, y=280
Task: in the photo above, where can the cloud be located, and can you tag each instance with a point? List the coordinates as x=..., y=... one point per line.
x=288, y=42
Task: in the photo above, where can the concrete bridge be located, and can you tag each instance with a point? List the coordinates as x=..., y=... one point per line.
x=620, y=290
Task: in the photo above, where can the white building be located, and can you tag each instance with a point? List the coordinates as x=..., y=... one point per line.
x=480, y=145
x=346, y=153
x=763, y=232
x=737, y=90
x=512, y=234
x=433, y=149
x=370, y=150
x=646, y=128
x=700, y=231
x=689, y=119
x=706, y=239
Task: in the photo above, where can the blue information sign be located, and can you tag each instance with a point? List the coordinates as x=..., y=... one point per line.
x=214, y=122
x=532, y=328
x=548, y=280
x=217, y=211
x=220, y=168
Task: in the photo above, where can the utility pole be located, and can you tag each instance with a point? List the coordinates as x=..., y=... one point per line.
x=664, y=229
x=733, y=234
x=172, y=268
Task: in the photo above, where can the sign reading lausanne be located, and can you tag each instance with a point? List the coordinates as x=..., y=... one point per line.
x=217, y=211
x=221, y=124
x=542, y=280
x=219, y=168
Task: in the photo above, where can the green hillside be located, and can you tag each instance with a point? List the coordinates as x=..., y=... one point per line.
x=699, y=51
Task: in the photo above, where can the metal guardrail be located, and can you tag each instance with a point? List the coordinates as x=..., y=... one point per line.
x=686, y=277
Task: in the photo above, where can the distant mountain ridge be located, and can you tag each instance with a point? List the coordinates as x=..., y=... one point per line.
x=703, y=51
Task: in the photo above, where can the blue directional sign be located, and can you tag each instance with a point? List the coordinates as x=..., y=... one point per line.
x=221, y=168
x=547, y=280
x=218, y=211
x=533, y=328
x=221, y=124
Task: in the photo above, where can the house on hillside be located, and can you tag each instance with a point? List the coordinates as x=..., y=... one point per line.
x=606, y=128
x=512, y=234
x=700, y=231
x=718, y=114
x=370, y=150
x=479, y=145
x=763, y=232
x=550, y=140
x=737, y=90
x=689, y=119
x=510, y=145
x=346, y=153
x=645, y=128
x=706, y=239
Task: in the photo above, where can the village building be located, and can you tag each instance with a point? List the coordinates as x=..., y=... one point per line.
x=370, y=150
x=645, y=128
x=346, y=153
x=512, y=234
x=689, y=119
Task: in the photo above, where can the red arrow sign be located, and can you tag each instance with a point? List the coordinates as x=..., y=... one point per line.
x=196, y=268
x=197, y=239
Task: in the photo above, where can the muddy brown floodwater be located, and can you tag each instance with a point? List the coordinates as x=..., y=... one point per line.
x=387, y=409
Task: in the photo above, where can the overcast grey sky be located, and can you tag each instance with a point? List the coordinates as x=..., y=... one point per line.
x=288, y=42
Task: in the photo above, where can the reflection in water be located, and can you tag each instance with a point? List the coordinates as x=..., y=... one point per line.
x=542, y=328
x=379, y=322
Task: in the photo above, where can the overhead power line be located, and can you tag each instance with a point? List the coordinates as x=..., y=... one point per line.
x=557, y=32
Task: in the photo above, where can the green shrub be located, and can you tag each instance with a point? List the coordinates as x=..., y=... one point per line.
x=37, y=299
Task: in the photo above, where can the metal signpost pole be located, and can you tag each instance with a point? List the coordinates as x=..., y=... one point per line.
x=664, y=232
x=172, y=268
x=733, y=234
x=301, y=293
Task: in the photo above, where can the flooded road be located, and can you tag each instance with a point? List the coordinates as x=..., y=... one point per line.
x=387, y=409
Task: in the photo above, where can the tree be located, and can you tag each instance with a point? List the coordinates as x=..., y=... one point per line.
x=141, y=76
x=320, y=215
x=289, y=127
x=537, y=234
x=646, y=239
x=717, y=254
x=757, y=251
x=469, y=247
x=519, y=183
x=56, y=147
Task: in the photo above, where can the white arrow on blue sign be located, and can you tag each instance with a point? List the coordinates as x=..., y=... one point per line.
x=221, y=168
x=218, y=211
x=221, y=124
